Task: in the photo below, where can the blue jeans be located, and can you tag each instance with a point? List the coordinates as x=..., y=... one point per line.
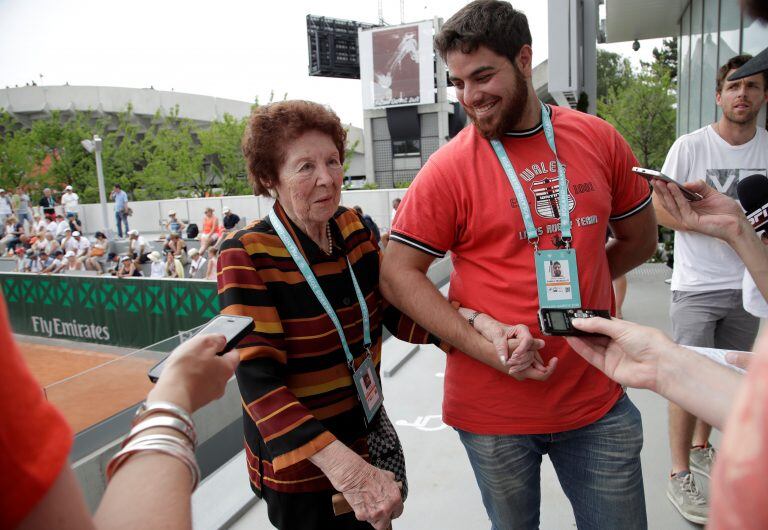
x=121, y=217
x=598, y=467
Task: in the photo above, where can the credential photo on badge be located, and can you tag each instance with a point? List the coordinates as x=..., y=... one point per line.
x=556, y=271
x=370, y=389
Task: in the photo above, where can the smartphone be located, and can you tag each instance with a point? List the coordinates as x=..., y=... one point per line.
x=233, y=327
x=557, y=322
x=650, y=174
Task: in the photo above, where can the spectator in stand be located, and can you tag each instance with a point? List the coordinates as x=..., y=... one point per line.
x=173, y=266
x=129, y=267
x=21, y=260
x=137, y=245
x=113, y=264
x=51, y=224
x=47, y=243
x=196, y=263
x=5, y=209
x=157, y=268
x=71, y=202
x=97, y=253
x=173, y=224
x=178, y=246
x=213, y=254
x=68, y=242
x=62, y=225
x=42, y=262
x=40, y=223
x=211, y=230
x=75, y=224
x=121, y=209
x=20, y=203
x=48, y=203
x=72, y=263
x=229, y=220
x=53, y=263
x=83, y=246
x=369, y=222
x=395, y=206
x=61, y=262
x=13, y=230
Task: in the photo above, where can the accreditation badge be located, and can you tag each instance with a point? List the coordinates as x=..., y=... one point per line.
x=368, y=388
x=557, y=277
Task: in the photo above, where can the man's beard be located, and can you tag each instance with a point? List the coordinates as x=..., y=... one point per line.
x=510, y=113
x=730, y=115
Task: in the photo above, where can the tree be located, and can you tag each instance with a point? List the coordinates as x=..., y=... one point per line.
x=644, y=113
x=667, y=57
x=613, y=71
x=124, y=153
x=18, y=154
x=220, y=144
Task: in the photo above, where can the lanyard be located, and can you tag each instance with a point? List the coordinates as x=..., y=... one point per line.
x=306, y=271
x=525, y=210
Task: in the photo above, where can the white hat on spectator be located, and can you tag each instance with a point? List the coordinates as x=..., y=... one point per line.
x=2, y=190
x=68, y=188
x=69, y=254
x=75, y=234
x=194, y=252
x=67, y=229
x=226, y=209
x=133, y=232
x=171, y=212
x=124, y=258
x=155, y=256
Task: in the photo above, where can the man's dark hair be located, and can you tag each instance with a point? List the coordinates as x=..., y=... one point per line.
x=733, y=64
x=490, y=23
x=111, y=256
x=118, y=186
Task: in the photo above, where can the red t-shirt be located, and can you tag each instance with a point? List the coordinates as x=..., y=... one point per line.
x=461, y=201
x=740, y=479
x=34, y=438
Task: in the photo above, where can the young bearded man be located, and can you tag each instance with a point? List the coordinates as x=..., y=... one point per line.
x=501, y=223
x=707, y=307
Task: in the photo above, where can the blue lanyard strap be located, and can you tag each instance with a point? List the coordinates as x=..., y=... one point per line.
x=306, y=271
x=562, y=199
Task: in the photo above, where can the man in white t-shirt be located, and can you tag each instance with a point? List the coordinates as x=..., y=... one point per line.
x=706, y=307
x=71, y=202
x=83, y=245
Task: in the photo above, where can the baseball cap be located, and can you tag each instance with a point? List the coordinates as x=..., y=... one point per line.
x=133, y=232
x=194, y=252
x=2, y=190
x=226, y=209
x=757, y=64
x=75, y=234
x=69, y=254
x=155, y=256
x=171, y=212
x=68, y=188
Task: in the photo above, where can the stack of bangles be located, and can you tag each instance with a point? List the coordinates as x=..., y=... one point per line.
x=154, y=415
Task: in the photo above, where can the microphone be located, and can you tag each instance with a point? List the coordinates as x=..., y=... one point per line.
x=753, y=196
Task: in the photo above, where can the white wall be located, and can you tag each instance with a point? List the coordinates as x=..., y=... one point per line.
x=147, y=214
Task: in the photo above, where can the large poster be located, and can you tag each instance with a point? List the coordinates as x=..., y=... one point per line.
x=397, y=65
x=120, y=312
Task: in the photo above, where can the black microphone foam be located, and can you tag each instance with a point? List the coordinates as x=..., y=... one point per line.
x=753, y=196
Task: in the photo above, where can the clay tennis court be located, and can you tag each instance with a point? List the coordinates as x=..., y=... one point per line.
x=95, y=395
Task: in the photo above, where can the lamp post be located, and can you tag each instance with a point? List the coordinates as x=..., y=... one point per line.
x=94, y=146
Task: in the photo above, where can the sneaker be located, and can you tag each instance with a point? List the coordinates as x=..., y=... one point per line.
x=702, y=459
x=684, y=495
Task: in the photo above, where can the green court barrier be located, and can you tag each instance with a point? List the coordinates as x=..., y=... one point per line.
x=120, y=312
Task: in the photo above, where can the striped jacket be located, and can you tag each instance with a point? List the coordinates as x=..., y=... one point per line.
x=297, y=392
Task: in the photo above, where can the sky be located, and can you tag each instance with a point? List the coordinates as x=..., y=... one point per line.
x=229, y=49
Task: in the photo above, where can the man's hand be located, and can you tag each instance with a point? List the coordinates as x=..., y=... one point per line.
x=628, y=353
x=716, y=215
x=516, y=348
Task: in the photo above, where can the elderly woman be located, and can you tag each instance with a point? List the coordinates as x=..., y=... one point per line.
x=309, y=429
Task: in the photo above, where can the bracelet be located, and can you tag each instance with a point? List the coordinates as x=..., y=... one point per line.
x=163, y=421
x=472, y=318
x=147, y=409
x=169, y=445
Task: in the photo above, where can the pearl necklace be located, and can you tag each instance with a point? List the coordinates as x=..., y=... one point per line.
x=330, y=238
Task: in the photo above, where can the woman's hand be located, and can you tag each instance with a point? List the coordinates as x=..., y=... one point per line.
x=194, y=375
x=716, y=215
x=371, y=492
x=628, y=353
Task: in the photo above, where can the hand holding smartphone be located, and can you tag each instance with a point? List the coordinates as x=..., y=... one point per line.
x=652, y=175
x=233, y=327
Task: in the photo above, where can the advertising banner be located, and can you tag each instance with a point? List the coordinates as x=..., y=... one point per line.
x=119, y=312
x=397, y=65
